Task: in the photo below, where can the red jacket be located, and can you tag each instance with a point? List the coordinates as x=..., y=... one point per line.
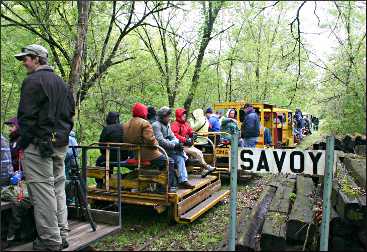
x=181, y=128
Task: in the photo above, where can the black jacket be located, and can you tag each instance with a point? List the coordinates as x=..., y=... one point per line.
x=46, y=109
x=113, y=133
x=251, y=125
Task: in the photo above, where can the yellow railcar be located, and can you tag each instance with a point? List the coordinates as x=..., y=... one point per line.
x=278, y=120
x=144, y=185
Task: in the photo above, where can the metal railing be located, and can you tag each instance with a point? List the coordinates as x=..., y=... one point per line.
x=137, y=149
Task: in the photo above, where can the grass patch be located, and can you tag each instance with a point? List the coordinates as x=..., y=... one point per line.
x=144, y=228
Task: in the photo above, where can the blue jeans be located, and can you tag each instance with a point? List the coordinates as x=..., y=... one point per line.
x=298, y=132
x=250, y=142
x=267, y=136
x=180, y=163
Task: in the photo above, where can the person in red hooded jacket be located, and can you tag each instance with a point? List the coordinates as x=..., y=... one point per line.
x=184, y=133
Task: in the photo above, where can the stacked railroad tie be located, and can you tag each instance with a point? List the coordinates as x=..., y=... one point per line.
x=348, y=222
x=282, y=219
x=348, y=144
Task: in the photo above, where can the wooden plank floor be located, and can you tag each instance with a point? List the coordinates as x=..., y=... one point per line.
x=196, y=180
x=81, y=235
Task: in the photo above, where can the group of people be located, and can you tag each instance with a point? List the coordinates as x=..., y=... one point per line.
x=250, y=127
x=150, y=128
x=303, y=125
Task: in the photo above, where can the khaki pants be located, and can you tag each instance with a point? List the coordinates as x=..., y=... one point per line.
x=46, y=186
x=196, y=154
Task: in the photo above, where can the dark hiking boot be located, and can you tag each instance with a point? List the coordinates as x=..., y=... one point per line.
x=209, y=169
x=64, y=244
x=186, y=185
x=41, y=246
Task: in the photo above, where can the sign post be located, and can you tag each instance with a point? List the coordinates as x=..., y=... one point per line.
x=329, y=163
x=233, y=203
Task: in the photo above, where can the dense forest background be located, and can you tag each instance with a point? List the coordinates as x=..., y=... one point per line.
x=192, y=54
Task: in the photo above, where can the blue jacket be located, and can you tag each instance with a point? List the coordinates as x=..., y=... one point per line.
x=214, y=124
x=299, y=120
x=251, y=125
x=6, y=167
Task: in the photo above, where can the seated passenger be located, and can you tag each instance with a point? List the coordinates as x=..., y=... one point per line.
x=70, y=157
x=183, y=132
x=70, y=164
x=14, y=138
x=152, y=114
x=199, y=124
x=219, y=113
x=6, y=167
x=229, y=125
x=111, y=133
x=214, y=125
x=13, y=190
x=171, y=144
x=139, y=131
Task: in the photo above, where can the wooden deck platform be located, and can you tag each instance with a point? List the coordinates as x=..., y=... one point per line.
x=80, y=236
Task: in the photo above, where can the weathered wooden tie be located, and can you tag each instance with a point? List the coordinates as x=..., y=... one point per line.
x=253, y=222
x=301, y=216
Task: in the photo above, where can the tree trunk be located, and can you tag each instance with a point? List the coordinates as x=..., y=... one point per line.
x=80, y=45
x=208, y=28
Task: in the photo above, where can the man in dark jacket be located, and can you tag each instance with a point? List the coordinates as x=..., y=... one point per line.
x=250, y=127
x=45, y=116
x=111, y=133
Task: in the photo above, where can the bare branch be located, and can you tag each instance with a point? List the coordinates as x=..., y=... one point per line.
x=264, y=8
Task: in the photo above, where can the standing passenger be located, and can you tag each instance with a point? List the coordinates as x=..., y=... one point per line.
x=250, y=127
x=214, y=125
x=45, y=115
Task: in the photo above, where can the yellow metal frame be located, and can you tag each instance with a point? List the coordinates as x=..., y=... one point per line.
x=287, y=138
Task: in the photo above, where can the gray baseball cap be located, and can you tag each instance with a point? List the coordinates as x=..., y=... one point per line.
x=34, y=49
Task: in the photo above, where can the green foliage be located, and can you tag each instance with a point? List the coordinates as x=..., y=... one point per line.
x=255, y=59
x=292, y=197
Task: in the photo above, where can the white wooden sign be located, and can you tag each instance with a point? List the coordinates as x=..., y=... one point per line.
x=293, y=161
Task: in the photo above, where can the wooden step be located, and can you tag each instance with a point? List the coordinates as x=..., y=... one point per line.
x=198, y=197
x=204, y=206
